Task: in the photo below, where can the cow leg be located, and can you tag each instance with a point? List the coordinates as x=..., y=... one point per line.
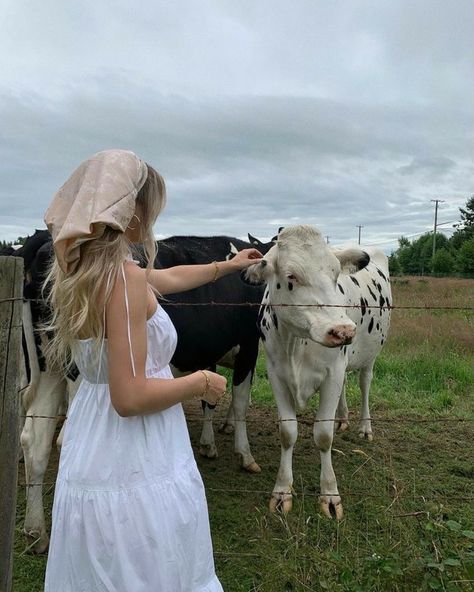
x=228, y=426
x=282, y=497
x=207, y=442
x=36, y=440
x=323, y=435
x=342, y=414
x=365, y=380
x=72, y=386
x=240, y=405
x=244, y=367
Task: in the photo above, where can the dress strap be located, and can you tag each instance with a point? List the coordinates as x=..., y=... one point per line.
x=128, y=322
x=101, y=350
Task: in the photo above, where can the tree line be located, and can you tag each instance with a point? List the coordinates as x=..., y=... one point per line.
x=454, y=256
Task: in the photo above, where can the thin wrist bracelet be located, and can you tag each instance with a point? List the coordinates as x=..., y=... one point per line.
x=216, y=273
x=206, y=388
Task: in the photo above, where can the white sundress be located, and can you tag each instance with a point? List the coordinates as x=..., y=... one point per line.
x=130, y=512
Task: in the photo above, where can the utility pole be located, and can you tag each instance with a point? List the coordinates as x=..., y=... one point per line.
x=327, y=240
x=359, y=227
x=436, y=201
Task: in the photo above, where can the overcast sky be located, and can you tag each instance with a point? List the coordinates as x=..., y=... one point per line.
x=258, y=113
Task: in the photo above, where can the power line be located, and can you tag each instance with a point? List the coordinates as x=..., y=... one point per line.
x=436, y=202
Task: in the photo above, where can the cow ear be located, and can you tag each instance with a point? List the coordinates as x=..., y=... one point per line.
x=262, y=271
x=253, y=241
x=352, y=260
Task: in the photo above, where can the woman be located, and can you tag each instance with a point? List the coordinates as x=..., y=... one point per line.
x=130, y=512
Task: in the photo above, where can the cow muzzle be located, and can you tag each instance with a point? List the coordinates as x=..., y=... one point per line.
x=339, y=335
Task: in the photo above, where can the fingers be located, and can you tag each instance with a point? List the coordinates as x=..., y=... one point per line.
x=254, y=254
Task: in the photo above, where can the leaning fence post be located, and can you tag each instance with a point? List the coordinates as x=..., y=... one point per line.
x=11, y=289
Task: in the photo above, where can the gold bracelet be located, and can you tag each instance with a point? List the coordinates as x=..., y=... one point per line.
x=206, y=388
x=216, y=272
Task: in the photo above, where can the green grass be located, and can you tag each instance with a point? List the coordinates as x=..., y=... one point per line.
x=408, y=496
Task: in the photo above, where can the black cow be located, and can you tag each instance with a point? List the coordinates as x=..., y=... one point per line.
x=216, y=335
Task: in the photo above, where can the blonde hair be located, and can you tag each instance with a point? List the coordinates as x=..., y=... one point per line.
x=72, y=298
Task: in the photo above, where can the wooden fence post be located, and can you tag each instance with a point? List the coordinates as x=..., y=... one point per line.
x=11, y=292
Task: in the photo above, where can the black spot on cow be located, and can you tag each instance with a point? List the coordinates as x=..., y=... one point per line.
x=363, y=306
x=372, y=294
x=381, y=301
x=381, y=342
x=278, y=286
x=354, y=280
x=275, y=320
x=379, y=287
x=340, y=288
x=378, y=327
x=371, y=325
x=290, y=286
x=363, y=260
x=381, y=274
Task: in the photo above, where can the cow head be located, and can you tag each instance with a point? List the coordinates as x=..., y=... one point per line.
x=302, y=269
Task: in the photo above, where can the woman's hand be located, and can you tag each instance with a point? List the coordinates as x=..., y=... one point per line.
x=246, y=258
x=214, y=388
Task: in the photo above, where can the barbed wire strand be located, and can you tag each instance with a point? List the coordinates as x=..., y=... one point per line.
x=302, y=420
x=294, y=493
x=288, y=305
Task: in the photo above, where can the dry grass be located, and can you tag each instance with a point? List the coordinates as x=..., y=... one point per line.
x=439, y=331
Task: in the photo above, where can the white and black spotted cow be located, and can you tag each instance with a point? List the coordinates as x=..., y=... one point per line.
x=207, y=336
x=309, y=348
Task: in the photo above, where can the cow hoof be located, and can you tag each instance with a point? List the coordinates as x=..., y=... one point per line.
x=208, y=450
x=366, y=436
x=281, y=502
x=37, y=543
x=342, y=425
x=253, y=467
x=226, y=428
x=331, y=505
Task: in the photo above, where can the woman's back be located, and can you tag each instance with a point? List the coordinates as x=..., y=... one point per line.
x=129, y=493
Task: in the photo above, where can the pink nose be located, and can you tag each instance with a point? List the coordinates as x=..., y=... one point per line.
x=340, y=335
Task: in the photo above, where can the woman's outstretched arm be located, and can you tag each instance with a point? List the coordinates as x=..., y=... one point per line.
x=136, y=394
x=185, y=277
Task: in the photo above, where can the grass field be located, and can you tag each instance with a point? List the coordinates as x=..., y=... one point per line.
x=408, y=495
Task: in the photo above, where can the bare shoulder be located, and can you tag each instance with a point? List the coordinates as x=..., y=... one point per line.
x=133, y=271
x=136, y=289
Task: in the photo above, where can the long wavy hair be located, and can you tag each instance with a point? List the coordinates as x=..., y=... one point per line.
x=73, y=299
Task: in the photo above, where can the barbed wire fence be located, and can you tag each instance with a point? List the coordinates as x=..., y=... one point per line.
x=391, y=494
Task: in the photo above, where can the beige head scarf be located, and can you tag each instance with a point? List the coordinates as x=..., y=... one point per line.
x=100, y=192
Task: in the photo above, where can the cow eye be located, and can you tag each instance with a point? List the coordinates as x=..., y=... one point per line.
x=292, y=277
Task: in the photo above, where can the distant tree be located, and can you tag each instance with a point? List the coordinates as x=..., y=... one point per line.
x=443, y=263
x=394, y=266
x=467, y=214
x=465, y=259
x=465, y=228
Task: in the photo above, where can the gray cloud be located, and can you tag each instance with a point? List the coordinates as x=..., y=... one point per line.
x=258, y=115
